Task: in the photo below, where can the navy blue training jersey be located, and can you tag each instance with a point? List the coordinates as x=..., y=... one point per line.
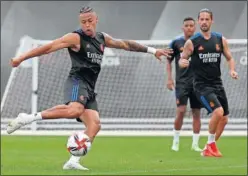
x=86, y=63
x=206, y=59
x=184, y=76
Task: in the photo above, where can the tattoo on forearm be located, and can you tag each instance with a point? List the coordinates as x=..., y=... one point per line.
x=134, y=46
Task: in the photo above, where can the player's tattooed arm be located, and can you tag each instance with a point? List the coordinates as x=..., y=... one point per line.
x=130, y=45
x=68, y=40
x=229, y=58
x=187, y=52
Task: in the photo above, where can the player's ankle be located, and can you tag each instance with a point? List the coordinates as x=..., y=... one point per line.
x=176, y=135
x=38, y=116
x=74, y=159
x=211, y=138
x=195, y=138
x=91, y=137
x=195, y=144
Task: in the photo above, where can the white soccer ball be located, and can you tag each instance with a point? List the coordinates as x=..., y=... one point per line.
x=78, y=144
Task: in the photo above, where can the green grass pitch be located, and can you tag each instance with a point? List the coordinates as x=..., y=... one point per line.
x=45, y=155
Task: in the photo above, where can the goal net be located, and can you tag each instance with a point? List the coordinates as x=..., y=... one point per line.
x=131, y=88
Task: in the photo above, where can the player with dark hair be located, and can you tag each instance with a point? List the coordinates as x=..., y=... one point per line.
x=86, y=48
x=184, y=87
x=205, y=49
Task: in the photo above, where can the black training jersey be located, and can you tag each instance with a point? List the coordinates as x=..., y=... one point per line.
x=86, y=63
x=206, y=59
x=184, y=76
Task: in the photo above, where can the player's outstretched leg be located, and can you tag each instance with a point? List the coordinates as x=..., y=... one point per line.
x=92, y=122
x=196, y=130
x=220, y=127
x=211, y=148
x=177, y=126
x=73, y=110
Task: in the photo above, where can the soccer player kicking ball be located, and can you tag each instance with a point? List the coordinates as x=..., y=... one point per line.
x=205, y=49
x=184, y=87
x=86, y=48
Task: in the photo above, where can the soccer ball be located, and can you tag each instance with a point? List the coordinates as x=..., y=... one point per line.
x=78, y=144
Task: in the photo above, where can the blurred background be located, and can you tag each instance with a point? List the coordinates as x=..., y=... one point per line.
x=159, y=20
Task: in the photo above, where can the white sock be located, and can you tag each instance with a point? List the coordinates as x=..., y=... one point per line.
x=37, y=116
x=176, y=135
x=196, y=137
x=29, y=118
x=74, y=159
x=211, y=138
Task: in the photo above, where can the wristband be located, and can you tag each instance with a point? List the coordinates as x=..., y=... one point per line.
x=151, y=50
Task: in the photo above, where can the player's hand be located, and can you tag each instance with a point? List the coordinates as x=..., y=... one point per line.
x=15, y=62
x=170, y=84
x=234, y=74
x=163, y=52
x=183, y=63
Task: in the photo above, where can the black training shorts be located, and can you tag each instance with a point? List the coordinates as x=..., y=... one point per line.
x=78, y=90
x=183, y=93
x=213, y=97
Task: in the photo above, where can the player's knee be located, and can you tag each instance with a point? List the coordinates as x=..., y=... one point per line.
x=196, y=113
x=181, y=111
x=219, y=112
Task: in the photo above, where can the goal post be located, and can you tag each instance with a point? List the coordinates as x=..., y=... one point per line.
x=132, y=96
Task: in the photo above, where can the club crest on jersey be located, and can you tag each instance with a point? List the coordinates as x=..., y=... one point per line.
x=211, y=104
x=88, y=45
x=200, y=48
x=81, y=98
x=217, y=46
x=102, y=47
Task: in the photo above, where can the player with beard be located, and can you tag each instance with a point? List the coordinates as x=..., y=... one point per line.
x=205, y=49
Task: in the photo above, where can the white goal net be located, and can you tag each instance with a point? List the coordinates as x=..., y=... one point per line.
x=132, y=94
